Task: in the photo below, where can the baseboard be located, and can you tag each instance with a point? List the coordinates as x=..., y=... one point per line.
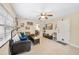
x=62, y=42
x=73, y=45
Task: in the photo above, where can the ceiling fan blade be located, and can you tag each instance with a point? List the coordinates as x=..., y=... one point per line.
x=49, y=13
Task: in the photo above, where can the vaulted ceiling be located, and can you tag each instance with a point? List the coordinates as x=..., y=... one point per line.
x=33, y=10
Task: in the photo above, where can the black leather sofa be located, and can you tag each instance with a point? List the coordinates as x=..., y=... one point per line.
x=47, y=36
x=19, y=47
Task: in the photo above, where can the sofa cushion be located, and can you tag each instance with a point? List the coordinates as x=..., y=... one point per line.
x=16, y=38
x=23, y=37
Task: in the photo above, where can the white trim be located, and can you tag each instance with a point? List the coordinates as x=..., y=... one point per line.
x=4, y=41
x=73, y=45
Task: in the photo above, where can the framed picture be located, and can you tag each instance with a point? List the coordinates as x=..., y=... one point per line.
x=49, y=26
x=29, y=23
x=22, y=24
x=27, y=28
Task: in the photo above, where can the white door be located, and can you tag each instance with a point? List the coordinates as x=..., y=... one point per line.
x=63, y=31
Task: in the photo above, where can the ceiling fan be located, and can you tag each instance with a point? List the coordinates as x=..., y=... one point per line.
x=45, y=15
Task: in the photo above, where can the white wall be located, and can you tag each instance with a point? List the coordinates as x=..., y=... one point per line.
x=74, y=26
x=32, y=27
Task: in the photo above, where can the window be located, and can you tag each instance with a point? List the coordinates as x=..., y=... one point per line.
x=1, y=33
x=6, y=25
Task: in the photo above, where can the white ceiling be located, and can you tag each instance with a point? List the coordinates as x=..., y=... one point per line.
x=32, y=10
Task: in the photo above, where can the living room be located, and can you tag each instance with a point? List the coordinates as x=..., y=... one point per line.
x=39, y=28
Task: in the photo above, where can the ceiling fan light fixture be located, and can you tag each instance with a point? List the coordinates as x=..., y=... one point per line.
x=43, y=17
x=49, y=14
